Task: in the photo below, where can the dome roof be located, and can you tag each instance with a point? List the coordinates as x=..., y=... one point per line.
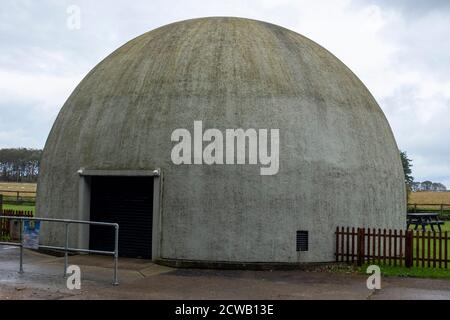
x=227, y=72
x=217, y=59
x=339, y=162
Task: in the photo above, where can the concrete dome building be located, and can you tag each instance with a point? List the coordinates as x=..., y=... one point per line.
x=120, y=149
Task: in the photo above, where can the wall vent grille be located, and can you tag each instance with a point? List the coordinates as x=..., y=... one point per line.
x=302, y=241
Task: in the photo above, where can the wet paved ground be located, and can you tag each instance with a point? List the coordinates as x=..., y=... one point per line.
x=143, y=280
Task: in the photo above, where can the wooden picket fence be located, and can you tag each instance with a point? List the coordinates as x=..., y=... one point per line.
x=5, y=231
x=392, y=247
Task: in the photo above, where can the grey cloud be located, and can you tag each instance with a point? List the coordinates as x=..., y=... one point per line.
x=422, y=132
x=411, y=6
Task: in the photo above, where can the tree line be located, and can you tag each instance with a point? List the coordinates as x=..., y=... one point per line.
x=415, y=186
x=428, y=186
x=19, y=165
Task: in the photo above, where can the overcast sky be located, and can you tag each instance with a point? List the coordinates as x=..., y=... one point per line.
x=400, y=49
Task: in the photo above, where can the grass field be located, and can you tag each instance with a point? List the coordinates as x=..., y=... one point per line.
x=430, y=201
x=26, y=187
x=18, y=186
x=430, y=197
x=26, y=200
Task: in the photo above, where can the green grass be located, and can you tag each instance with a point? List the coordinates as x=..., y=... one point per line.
x=19, y=207
x=445, y=227
x=417, y=271
x=414, y=272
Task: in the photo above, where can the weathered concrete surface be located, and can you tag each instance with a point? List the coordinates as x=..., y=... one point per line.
x=144, y=280
x=339, y=162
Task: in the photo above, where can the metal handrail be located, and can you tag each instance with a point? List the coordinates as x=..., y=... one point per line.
x=66, y=248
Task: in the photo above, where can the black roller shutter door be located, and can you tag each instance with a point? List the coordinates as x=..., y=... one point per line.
x=127, y=201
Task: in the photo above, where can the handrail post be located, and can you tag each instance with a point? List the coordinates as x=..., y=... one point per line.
x=116, y=256
x=66, y=247
x=21, y=247
x=66, y=252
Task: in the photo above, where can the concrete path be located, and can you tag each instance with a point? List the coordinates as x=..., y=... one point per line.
x=43, y=279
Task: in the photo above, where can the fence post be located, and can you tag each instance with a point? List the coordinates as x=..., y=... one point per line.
x=360, y=242
x=409, y=249
x=337, y=244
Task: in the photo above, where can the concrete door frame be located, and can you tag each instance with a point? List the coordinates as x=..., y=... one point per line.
x=84, y=202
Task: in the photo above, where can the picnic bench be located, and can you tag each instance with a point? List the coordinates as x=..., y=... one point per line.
x=423, y=219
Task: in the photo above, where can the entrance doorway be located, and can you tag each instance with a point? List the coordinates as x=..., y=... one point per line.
x=127, y=201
